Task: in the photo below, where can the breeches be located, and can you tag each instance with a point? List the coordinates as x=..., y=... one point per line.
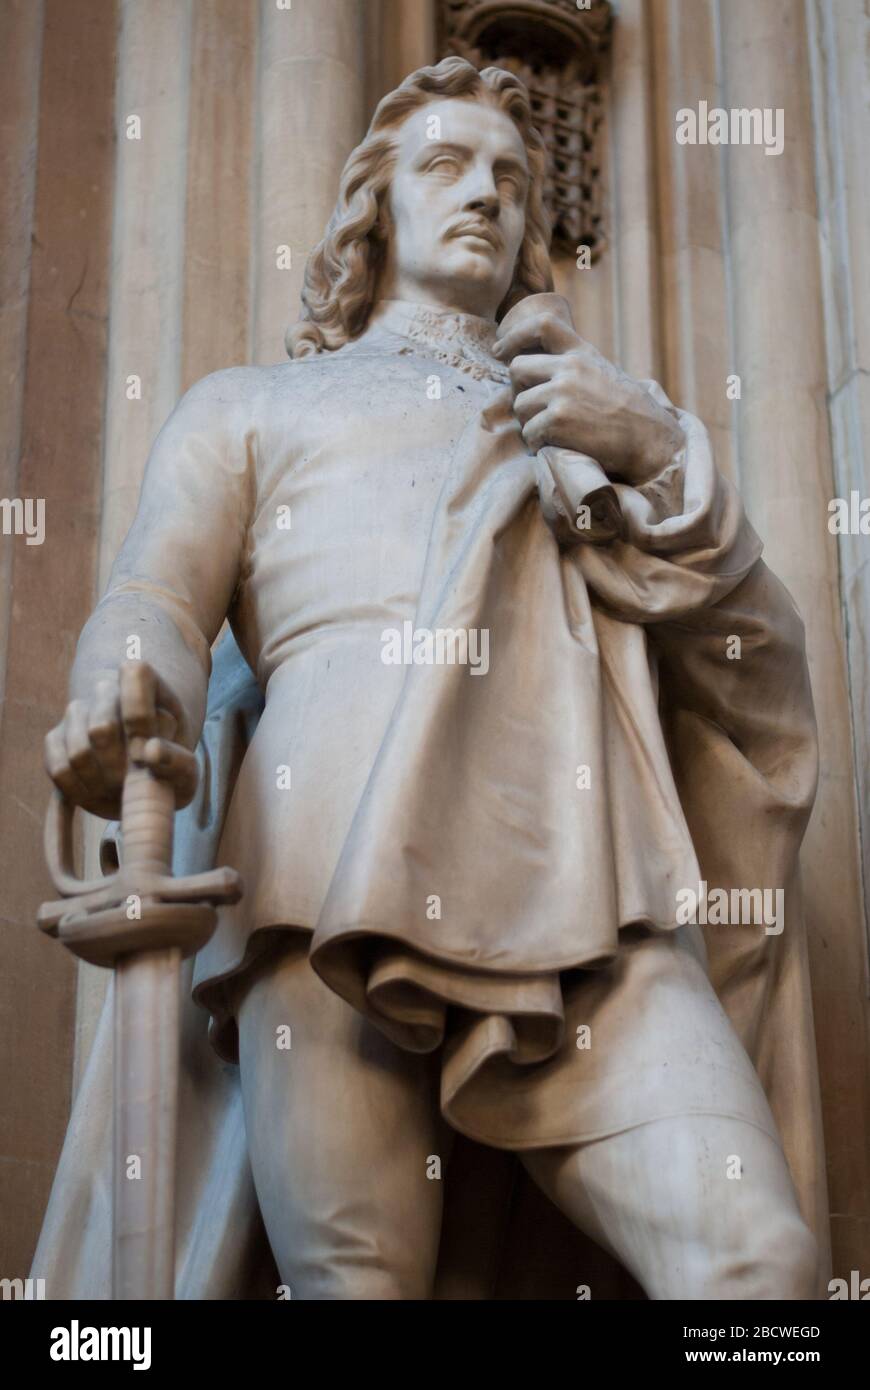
x=349, y=1153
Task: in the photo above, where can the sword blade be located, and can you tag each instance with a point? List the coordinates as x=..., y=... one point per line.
x=147, y=1040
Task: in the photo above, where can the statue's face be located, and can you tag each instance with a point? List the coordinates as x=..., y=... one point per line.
x=457, y=205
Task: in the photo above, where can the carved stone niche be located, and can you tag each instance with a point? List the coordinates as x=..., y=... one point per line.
x=558, y=49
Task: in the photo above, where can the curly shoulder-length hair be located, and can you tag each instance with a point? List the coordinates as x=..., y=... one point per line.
x=342, y=271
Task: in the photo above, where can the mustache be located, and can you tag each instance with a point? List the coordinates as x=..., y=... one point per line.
x=479, y=227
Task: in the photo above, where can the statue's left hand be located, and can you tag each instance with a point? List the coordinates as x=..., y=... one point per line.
x=567, y=394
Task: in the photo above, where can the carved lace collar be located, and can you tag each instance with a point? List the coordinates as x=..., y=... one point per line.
x=459, y=340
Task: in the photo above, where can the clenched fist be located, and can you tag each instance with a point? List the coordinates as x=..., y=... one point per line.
x=132, y=714
x=567, y=394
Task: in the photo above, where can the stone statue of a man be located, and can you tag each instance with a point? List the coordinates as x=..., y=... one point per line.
x=490, y=587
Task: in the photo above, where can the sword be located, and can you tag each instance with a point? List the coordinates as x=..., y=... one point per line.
x=141, y=922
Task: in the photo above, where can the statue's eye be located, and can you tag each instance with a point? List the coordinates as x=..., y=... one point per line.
x=514, y=185
x=446, y=163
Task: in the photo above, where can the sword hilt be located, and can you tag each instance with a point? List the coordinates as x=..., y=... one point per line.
x=141, y=906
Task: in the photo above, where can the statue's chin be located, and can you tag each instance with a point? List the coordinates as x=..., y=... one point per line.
x=474, y=287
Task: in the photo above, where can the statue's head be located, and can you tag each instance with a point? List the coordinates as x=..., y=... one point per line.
x=441, y=203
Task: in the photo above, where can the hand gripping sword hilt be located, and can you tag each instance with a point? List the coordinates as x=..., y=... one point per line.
x=141, y=907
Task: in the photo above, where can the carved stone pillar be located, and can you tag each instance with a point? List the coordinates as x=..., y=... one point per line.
x=697, y=354
x=145, y=308
x=310, y=114
x=787, y=480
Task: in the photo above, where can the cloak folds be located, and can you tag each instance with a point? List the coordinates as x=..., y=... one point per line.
x=726, y=799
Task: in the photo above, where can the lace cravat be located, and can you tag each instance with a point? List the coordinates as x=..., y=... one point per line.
x=459, y=340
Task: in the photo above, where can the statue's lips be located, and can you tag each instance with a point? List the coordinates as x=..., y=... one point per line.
x=476, y=233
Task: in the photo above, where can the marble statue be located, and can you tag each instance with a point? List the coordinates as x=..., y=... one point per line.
x=513, y=678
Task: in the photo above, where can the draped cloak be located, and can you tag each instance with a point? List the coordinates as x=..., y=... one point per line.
x=475, y=856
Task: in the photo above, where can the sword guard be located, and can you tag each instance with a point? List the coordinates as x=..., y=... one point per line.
x=101, y=937
x=141, y=907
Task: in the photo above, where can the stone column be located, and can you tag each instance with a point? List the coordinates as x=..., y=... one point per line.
x=310, y=112
x=147, y=285
x=59, y=70
x=21, y=34
x=400, y=37
x=787, y=481
x=147, y=250
x=216, y=322
x=637, y=345
x=840, y=32
x=696, y=331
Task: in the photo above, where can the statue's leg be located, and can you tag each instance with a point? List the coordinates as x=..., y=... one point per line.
x=659, y=1197
x=341, y=1127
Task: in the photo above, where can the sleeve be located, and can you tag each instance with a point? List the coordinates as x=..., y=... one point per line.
x=177, y=571
x=740, y=667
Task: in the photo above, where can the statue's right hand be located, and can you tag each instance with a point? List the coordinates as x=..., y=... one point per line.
x=86, y=753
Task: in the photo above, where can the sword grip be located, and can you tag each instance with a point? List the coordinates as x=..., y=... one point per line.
x=147, y=812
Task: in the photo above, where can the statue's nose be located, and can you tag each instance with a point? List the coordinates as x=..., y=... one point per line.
x=486, y=203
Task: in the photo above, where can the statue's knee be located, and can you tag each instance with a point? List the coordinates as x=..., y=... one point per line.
x=794, y=1263
x=778, y=1259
